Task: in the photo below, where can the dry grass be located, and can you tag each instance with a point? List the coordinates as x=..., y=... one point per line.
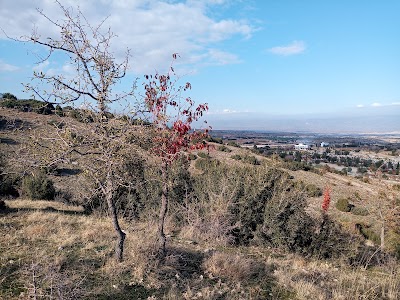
x=72, y=253
x=26, y=204
x=322, y=280
x=235, y=268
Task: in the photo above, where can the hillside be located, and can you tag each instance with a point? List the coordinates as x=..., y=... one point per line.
x=240, y=226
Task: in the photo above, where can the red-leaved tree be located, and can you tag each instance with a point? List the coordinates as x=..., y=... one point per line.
x=172, y=116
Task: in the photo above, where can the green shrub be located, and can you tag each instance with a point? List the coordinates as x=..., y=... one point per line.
x=214, y=140
x=343, y=205
x=311, y=189
x=359, y=211
x=236, y=157
x=246, y=158
x=286, y=223
x=8, y=183
x=37, y=187
x=329, y=240
x=251, y=160
x=205, y=163
x=9, y=96
x=233, y=144
x=59, y=111
x=203, y=155
x=9, y=103
x=192, y=156
x=369, y=234
x=223, y=148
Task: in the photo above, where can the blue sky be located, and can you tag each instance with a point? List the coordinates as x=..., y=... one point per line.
x=250, y=60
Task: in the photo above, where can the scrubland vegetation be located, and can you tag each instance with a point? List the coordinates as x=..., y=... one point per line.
x=234, y=230
x=98, y=205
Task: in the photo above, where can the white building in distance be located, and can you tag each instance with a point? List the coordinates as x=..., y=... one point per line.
x=301, y=147
x=323, y=144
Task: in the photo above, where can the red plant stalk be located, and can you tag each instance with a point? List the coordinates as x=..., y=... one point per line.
x=327, y=199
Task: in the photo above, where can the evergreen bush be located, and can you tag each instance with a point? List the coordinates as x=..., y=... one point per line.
x=343, y=205
x=38, y=186
x=223, y=148
x=203, y=155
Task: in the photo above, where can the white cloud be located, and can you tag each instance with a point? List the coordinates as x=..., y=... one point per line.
x=216, y=57
x=395, y=103
x=152, y=29
x=296, y=47
x=360, y=105
x=4, y=67
x=376, y=104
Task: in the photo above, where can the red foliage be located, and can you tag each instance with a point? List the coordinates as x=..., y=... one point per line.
x=173, y=115
x=327, y=199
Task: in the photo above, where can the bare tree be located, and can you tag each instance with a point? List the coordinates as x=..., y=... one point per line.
x=96, y=73
x=95, y=70
x=109, y=161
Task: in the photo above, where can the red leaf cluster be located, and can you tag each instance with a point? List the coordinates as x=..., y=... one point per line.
x=175, y=134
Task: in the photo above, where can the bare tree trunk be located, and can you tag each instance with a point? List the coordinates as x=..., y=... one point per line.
x=163, y=210
x=119, y=249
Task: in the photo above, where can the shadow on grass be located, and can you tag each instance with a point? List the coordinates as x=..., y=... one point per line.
x=12, y=124
x=67, y=172
x=130, y=292
x=8, y=141
x=9, y=210
x=181, y=263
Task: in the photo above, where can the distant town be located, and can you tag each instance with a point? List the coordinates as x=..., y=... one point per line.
x=355, y=155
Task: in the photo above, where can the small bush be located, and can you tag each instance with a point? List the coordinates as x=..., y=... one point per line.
x=223, y=148
x=9, y=96
x=204, y=164
x=311, y=189
x=203, y=155
x=9, y=103
x=37, y=187
x=369, y=234
x=59, y=111
x=236, y=157
x=246, y=158
x=214, y=140
x=8, y=183
x=251, y=160
x=343, y=205
x=359, y=211
x=233, y=144
x=192, y=156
